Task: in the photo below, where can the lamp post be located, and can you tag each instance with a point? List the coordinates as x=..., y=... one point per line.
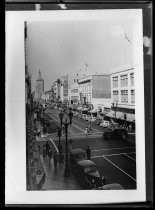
x=70, y=114
x=114, y=105
x=67, y=160
x=61, y=115
x=59, y=135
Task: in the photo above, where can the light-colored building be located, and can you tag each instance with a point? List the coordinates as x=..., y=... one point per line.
x=96, y=90
x=123, y=94
x=74, y=96
x=39, y=89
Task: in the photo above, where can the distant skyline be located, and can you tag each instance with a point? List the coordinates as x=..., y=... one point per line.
x=59, y=48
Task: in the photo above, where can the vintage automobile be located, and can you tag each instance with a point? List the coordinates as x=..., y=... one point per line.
x=105, y=124
x=116, y=133
x=97, y=121
x=113, y=186
x=88, y=175
x=76, y=155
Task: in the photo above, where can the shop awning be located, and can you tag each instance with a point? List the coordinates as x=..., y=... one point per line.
x=111, y=114
x=79, y=108
x=119, y=115
x=130, y=117
x=93, y=111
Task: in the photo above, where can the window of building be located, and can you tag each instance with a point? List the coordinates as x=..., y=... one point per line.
x=115, y=81
x=124, y=80
x=132, y=79
x=124, y=96
x=115, y=96
x=133, y=96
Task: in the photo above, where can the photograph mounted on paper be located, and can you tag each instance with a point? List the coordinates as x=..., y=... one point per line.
x=82, y=82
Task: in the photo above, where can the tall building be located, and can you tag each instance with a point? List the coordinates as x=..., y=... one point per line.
x=39, y=87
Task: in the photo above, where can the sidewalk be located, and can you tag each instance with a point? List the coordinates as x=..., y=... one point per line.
x=55, y=179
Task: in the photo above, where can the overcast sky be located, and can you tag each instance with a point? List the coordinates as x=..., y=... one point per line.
x=59, y=48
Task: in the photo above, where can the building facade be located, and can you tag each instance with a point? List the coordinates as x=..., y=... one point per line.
x=74, y=96
x=123, y=93
x=96, y=90
x=39, y=89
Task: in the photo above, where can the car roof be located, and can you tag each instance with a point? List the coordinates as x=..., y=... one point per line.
x=77, y=151
x=113, y=186
x=86, y=163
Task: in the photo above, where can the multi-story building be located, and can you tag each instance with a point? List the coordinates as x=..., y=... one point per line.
x=74, y=96
x=96, y=90
x=123, y=94
x=39, y=89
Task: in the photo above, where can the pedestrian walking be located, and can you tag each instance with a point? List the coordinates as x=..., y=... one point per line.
x=88, y=151
x=130, y=127
x=47, y=148
x=44, y=151
x=50, y=154
x=55, y=157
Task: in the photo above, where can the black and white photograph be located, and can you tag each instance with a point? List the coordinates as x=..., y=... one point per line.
x=82, y=102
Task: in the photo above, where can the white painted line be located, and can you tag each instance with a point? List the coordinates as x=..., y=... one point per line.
x=113, y=148
x=119, y=154
x=77, y=127
x=58, y=122
x=54, y=145
x=119, y=168
x=85, y=125
x=111, y=154
x=129, y=157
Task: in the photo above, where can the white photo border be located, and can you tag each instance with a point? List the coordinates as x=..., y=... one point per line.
x=15, y=179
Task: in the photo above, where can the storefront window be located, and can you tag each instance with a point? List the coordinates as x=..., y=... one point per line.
x=132, y=96
x=132, y=79
x=124, y=80
x=124, y=96
x=115, y=81
x=115, y=96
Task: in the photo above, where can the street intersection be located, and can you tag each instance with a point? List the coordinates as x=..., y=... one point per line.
x=115, y=159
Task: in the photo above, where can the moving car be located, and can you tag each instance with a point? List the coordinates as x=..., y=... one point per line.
x=116, y=133
x=76, y=155
x=88, y=175
x=105, y=124
x=97, y=121
x=92, y=119
x=87, y=117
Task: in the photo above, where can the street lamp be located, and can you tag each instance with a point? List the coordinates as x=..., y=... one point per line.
x=114, y=105
x=67, y=160
x=59, y=135
x=61, y=115
x=70, y=114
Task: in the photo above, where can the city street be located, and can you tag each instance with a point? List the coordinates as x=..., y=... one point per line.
x=115, y=159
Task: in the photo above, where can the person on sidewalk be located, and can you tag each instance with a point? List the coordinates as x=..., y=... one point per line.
x=50, y=155
x=44, y=151
x=47, y=148
x=55, y=160
x=88, y=151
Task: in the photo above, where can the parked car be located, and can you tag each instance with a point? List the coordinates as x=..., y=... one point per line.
x=84, y=116
x=92, y=119
x=97, y=121
x=88, y=175
x=76, y=155
x=116, y=133
x=113, y=186
x=87, y=117
x=105, y=124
